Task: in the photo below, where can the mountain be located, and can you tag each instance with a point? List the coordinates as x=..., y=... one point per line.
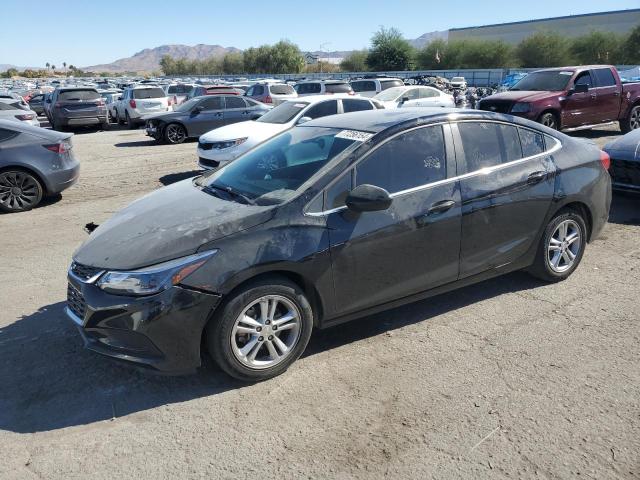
x=148, y=59
x=6, y=66
x=427, y=38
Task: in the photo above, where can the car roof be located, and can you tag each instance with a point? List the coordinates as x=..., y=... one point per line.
x=23, y=127
x=375, y=121
x=323, y=81
x=319, y=98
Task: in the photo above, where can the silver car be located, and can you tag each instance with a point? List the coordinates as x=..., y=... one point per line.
x=17, y=113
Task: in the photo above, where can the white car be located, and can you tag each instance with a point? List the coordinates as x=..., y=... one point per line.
x=139, y=101
x=10, y=111
x=458, y=83
x=370, y=87
x=222, y=145
x=322, y=87
x=415, y=96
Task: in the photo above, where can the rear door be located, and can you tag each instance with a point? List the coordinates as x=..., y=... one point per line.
x=322, y=109
x=507, y=184
x=412, y=246
x=608, y=95
x=355, y=105
x=211, y=116
x=235, y=110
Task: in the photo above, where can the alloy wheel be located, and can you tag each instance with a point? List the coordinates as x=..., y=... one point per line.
x=266, y=332
x=175, y=133
x=549, y=121
x=634, y=118
x=564, y=246
x=18, y=191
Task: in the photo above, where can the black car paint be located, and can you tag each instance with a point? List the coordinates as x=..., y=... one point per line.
x=352, y=264
x=625, y=162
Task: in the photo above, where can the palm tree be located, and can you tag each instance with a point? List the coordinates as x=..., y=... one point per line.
x=64, y=64
x=47, y=65
x=53, y=68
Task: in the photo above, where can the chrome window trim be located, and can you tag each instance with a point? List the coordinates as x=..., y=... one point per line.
x=483, y=171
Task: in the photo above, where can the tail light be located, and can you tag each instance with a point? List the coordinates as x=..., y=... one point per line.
x=132, y=103
x=352, y=92
x=605, y=159
x=59, y=148
x=27, y=116
x=268, y=99
x=100, y=103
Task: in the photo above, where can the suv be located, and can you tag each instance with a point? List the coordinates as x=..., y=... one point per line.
x=370, y=87
x=177, y=93
x=76, y=106
x=323, y=87
x=274, y=93
x=201, y=90
x=138, y=101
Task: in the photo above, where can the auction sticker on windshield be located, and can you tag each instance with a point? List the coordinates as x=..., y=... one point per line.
x=355, y=135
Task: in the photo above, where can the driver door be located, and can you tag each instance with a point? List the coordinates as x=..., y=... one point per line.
x=209, y=117
x=578, y=109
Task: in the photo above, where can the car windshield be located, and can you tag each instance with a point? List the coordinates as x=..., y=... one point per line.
x=76, y=95
x=283, y=113
x=552, y=81
x=188, y=105
x=142, y=93
x=390, y=94
x=271, y=173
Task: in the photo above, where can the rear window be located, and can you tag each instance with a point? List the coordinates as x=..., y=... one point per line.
x=337, y=88
x=179, y=89
x=281, y=89
x=71, y=95
x=384, y=84
x=604, y=77
x=366, y=86
x=6, y=106
x=142, y=93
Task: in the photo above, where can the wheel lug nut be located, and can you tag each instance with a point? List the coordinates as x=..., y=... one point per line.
x=268, y=322
x=270, y=337
x=275, y=327
x=260, y=339
x=258, y=329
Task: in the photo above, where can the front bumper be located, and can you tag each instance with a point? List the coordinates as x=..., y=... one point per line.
x=211, y=159
x=161, y=332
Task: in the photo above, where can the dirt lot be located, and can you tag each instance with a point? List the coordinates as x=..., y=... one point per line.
x=511, y=378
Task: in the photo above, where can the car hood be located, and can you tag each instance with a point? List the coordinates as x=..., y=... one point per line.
x=626, y=147
x=168, y=223
x=523, y=96
x=163, y=116
x=252, y=129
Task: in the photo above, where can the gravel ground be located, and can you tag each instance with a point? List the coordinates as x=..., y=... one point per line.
x=510, y=378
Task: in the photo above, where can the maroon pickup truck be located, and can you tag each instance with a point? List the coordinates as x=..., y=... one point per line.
x=571, y=98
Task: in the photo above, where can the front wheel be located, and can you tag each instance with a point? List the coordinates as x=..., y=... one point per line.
x=175, y=133
x=19, y=191
x=259, y=332
x=632, y=121
x=561, y=247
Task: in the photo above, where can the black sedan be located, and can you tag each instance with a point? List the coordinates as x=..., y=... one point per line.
x=200, y=115
x=625, y=162
x=334, y=219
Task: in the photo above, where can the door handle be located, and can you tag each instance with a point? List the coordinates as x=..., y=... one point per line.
x=616, y=94
x=536, y=177
x=440, y=207
x=593, y=95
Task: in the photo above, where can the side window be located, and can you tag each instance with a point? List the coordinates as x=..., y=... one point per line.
x=488, y=144
x=604, y=77
x=412, y=94
x=584, y=78
x=235, y=102
x=258, y=90
x=213, y=102
x=358, y=86
x=428, y=93
x=249, y=92
x=353, y=105
x=409, y=160
x=532, y=142
x=6, y=135
x=322, y=109
x=313, y=88
x=337, y=193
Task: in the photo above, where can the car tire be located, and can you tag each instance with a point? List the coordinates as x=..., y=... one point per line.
x=241, y=338
x=30, y=195
x=130, y=123
x=561, y=247
x=632, y=121
x=549, y=120
x=174, y=133
x=119, y=120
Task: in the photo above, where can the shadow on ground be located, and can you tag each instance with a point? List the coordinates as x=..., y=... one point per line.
x=625, y=209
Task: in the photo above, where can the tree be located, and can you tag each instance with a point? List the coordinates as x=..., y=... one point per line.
x=433, y=56
x=630, y=48
x=48, y=65
x=544, y=49
x=389, y=51
x=355, y=61
x=53, y=68
x=285, y=57
x=64, y=65
x=233, y=63
x=596, y=47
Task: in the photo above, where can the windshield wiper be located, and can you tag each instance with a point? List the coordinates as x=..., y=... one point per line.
x=232, y=192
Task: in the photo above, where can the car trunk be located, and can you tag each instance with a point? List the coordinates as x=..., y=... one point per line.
x=80, y=103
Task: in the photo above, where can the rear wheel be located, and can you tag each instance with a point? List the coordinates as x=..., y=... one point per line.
x=632, y=121
x=175, y=133
x=549, y=120
x=19, y=191
x=119, y=120
x=259, y=332
x=561, y=247
x=130, y=123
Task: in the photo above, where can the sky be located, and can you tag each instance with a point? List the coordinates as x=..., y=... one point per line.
x=90, y=32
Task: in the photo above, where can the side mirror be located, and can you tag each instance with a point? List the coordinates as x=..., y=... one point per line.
x=581, y=88
x=404, y=99
x=368, y=198
x=304, y=120
x=197, y=109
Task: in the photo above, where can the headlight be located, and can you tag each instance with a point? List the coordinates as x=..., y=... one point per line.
x=154, y=279
x=521, y=107
x=229, y=143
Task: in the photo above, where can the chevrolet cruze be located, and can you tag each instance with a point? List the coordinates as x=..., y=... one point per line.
x=332, y=220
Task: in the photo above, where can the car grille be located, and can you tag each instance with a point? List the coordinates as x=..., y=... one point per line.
x=209, y=163
x=625, y=171
x=75, y=301
x=84, y=272
x=500, y=106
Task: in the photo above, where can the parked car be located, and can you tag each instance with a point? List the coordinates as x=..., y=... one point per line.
x=625, y=161
x=271, y=93
x=414, y=96
x=322, y=87
x=9, y=111
x=138, y=101
x=222, y=145
x=75, y=107
x=200, y=90
x=177, y=93
x=370, y=87
x=111, y=98
x=34, y=163
x=571, y=98
x=201, y=114
x=36, y=103
x=458, y=83
x=335, y=219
